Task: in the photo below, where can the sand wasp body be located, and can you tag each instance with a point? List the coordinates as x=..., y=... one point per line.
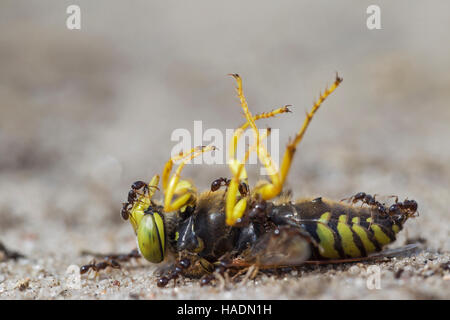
x=241, y=227
x=327, y=229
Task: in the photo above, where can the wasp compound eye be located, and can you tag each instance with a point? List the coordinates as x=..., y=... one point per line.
x=151, y=237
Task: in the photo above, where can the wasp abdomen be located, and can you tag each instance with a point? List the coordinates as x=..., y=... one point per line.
x=341, y=231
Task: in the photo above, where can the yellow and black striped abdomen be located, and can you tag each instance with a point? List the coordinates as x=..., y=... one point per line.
x=344, y=231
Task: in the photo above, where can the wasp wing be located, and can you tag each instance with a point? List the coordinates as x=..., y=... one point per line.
x=285, y=246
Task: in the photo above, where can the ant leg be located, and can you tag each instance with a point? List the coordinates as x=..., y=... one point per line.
x=393, y=196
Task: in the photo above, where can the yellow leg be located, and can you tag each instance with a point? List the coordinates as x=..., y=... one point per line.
x=291, y=147
x=184, y=189
x=244, y=106
x=169, y=165
x=271, y=189
x=153, y=186
x=235, y=209
x=238, y=132
x=234, y=164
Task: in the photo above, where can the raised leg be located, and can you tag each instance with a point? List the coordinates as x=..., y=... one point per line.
x=238, y=132
x=235, y=209
x=184, y=189
x=272, y=189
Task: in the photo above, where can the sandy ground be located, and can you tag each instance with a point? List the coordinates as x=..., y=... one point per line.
x=85, y=113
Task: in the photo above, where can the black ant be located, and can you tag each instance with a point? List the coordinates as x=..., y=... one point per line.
x=99, y=266
x=179, y=267
x=369, y=200
x=218, y=183
x=110, y=260
x=363, y=197
x=125, y=212
x=132, y=197
x=221, y=267
x=396, y=209
x=407, y=205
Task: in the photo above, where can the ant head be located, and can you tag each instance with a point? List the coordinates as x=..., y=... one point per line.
x=402, y=211
x=216, y=184
x=410, y=205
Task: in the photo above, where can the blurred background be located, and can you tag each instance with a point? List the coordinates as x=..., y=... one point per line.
x=84, y=113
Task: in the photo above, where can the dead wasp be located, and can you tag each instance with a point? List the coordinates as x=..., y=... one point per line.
x=232, y=230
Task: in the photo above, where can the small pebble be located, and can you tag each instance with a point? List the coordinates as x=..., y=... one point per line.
x=23, y=284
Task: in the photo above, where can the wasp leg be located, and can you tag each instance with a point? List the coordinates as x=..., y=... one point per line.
x=238, y=132
x=270, y=190
x=284, y=246
x=184, y=189
x=152, y=186
x=169, y=165
x=234, y=164
x=235, y=209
